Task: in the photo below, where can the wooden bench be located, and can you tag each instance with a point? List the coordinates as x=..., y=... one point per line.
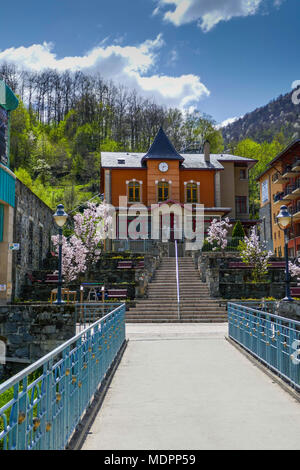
x=272, y=264
x=140, y=265
x=51, y=279
x=117, y=293
x=33, y=279
x=124, y=265
x=295, y=291
x=277, y=264
x=239, y=265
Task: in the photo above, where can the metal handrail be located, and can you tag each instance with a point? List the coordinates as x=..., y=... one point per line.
x=177, y=280
x=272, y=339
x=43, y=414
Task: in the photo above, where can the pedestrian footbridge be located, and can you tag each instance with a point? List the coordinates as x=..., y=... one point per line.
x=177, y=386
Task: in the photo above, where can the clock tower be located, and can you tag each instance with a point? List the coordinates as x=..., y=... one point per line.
x=163, y=163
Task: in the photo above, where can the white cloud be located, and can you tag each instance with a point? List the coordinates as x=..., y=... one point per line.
x=208, y=13
x=228, y=121
x=130, y=65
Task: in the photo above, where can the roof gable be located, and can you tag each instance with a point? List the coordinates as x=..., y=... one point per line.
x=162, y=148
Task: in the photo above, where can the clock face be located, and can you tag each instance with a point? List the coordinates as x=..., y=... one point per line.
x=163, y=167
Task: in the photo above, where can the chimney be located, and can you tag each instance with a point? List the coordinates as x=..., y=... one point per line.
x=207, y=151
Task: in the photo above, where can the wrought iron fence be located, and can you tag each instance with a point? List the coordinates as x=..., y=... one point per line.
x=135, y=246
x=41, y=406
x=274, y=340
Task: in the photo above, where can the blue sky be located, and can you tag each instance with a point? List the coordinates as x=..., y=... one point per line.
x=223, y=57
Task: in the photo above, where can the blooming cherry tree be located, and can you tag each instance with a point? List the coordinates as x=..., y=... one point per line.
x=253, y=253
x=84, y=247
x=91, y=228
x=74, y=255
x=217, y=233
x=294, y=269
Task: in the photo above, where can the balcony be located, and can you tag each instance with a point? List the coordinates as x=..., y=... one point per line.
x=278, y=178
x=296, y=191
x=288, y=172
x=295, y=212
x=288, y=193
x=296, y=166
x=278, y=198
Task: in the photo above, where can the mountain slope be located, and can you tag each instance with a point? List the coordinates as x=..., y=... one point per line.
x=264, y=123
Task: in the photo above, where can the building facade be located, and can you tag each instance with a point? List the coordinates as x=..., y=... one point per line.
x=280, y=185
x=33, y=228
x=164, y=176
x=8, y=102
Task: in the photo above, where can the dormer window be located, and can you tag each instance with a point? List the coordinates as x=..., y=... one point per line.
x=121, y=162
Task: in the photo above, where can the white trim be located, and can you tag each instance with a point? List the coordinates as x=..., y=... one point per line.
x=141, y=192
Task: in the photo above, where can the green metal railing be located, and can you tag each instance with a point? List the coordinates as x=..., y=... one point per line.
x=41, y=407
x=272, y=339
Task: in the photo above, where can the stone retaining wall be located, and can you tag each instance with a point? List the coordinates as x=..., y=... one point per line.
x=31, y=331
x=228, y=283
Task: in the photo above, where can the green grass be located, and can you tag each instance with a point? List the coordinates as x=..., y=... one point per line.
x=7, y=396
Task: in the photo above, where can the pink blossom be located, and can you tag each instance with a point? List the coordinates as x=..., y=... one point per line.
x=84, y=248
x=254, y=252
x=217, y=232
x=73, y=257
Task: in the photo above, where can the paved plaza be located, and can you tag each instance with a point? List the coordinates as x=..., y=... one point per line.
x=183, y=386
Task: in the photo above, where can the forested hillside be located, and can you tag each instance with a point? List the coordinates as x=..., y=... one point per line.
x=262, y=124
x=65, y=120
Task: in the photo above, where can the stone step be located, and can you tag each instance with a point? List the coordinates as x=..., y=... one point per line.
x=212, y=315
x=175, y=317
x=164, y=282
x=213, y=311
x=183, y=305
x=191, y=302
x=168, y=282
x=185, y=313
x=183, y=320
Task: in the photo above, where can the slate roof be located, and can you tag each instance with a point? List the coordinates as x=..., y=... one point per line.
x=162, y=148
x=191, y=161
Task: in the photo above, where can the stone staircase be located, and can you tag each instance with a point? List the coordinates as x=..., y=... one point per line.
x=161, y=305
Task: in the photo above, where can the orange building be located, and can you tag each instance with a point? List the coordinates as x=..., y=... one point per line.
x=280, y=185
x=164, y=176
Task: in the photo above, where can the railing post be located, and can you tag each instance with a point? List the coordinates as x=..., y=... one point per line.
x=177, y=280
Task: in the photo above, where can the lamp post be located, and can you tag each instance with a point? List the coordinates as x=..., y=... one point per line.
x=60, y=218
x=284, y=220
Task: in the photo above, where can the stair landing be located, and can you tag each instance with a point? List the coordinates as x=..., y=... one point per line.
x=161, y=305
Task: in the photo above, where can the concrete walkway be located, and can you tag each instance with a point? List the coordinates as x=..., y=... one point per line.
x=185, y=387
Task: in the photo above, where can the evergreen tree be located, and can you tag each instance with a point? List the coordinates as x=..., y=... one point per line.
x=238, y=230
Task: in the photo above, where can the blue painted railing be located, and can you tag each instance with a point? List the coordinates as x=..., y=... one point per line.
x=272, y=339
x=46, y=401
